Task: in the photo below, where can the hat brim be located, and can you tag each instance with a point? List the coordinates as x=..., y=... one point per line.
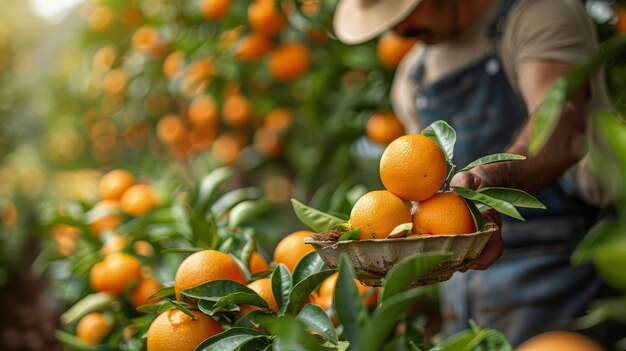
x=357, y=21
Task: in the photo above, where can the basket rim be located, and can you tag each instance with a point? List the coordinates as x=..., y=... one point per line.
x=488, y=229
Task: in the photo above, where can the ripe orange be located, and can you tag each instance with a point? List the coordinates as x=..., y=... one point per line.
x=100, y=18
x=105, y=217
x=214, y=9
x=263, y=287
x=236, y=111
x=143, y=248
x=443, y=213
x=146, y=287
x=205, y=266
x=391, y=48
x=226, y=148
x=560, y=341
x=202, y=111
x=115, y=274
x=174, y=330
x=201, y=69
x=104, y=58
x=65, y=237
x=252, y=47
x=268, y=141
x=172, y=64
x=201, y=138
x=258, y=263
x=413, y=167
x=289, y=61
x=324, y=298
x=384, y=127
x=93, y=328
x=279, y=119
x=292, y=248
x=115, y=81
x=113, y=244
x=146, y=38
x=138, y=200
x=171, y=129
x=378, y=213
x=265, y=18
x=113, y=184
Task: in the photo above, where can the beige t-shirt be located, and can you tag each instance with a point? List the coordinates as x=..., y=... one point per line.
x=535, y=30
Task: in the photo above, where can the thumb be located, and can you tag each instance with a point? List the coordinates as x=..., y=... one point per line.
x=465, y=179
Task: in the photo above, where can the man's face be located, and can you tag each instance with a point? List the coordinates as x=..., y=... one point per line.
x=432, y=21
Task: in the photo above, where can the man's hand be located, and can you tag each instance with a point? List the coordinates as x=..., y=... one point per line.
x=475, y=179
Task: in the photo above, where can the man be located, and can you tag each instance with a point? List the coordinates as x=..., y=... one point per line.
x=484, y=66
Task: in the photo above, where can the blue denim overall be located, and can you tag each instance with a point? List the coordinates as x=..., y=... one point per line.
x=532, y=287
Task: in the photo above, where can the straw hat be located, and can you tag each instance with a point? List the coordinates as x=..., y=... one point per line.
x=357, y=21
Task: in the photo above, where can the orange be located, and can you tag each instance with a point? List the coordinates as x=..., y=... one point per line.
x=115, y=274
x=620, y=27
x=146, y=287
x=143, y=248
x=252, y=47
x=172, y=64
x=236, y=111
x=115, y=81
x=560, y=341
x=258, y=263
x=65, y=237
x=171, y=129
x=205, y=266
x=201, y=69
x=279, y=119
x=214, y=9
x=202, y=111
x=106, y=216
x=263, y=287
x=391, y=48
x=113, y=244
x=377, y=213
x=93, y=328
x=226, y=148
x=289, y=61
x=201, y=138
x=113, y=184
x=384, y=127
x=268, y=142
x=292, y=248
x=100, y=18
x=413, y=167
x=265, y=17
x=174, y=330
x=146, y=39
x=138, y=200
x=444, y=213
x=324, y=298
x=104, y=58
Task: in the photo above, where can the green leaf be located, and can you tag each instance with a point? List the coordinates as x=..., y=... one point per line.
x=352, y=234
x=87, y=304
x=477, y=217
x=230, y=339
x=203, y=222
x=209, y=186
x=164, y=291
x=470, y=339
x=348, y=304
x=493, y=158
x=315, y=319
x=157, y=216
x=385, y=318
x=499, y=205
x=225, y=202
x=605, y=232
x=259, y=343
x=225, y=292
x=290, y=334
x=310, y=264
x=317, y=220
x=281, y=286
x=515, y=197
x=247, y=210
x=444, y=135
x=71, y=341
x=184, y=307
x=157, y=308
x=405, y=272
x=305, y=287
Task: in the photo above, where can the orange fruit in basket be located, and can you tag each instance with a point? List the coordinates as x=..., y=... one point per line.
x=214, y=9
x=265, y=17
x=560, y=341
x=93, y=327
x=292, y=248
x=289, y=61
x=138, y=200
x=175, y=330
x=444, y=213
x=378, y=213
x=115, y=274
x=391, y=48
x=263, y=287
x=258, y=263
x=384, y=127
x=146, y=287
x=413, y=167
x=205, y=266
x=324, y=298
x=113, y=184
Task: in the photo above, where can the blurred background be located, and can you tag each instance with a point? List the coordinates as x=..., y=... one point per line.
x=170, y=91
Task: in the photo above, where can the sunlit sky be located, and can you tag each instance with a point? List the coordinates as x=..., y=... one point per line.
x=53, y=10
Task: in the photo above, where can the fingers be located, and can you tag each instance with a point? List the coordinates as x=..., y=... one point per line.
x=464, y=179
x=492, y=251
